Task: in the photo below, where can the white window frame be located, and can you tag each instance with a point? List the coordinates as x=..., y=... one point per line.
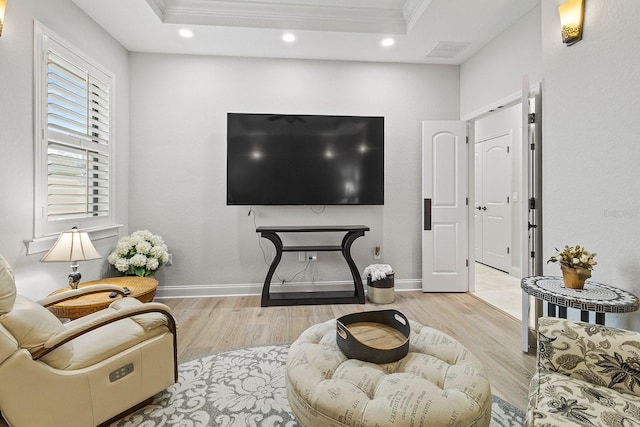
x=46, y=229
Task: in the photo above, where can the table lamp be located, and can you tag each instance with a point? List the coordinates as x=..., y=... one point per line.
x=72, y=246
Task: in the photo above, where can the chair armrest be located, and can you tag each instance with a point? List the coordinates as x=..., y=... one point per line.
x=74, y=293
x=109, y=317
x=597, y=354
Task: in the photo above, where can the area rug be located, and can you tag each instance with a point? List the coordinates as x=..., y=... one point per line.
x=243, y=388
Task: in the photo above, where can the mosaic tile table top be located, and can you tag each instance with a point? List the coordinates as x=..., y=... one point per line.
x=596, y=297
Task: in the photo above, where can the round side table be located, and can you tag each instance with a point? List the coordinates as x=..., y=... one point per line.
x=142, y=288
x=596, y=297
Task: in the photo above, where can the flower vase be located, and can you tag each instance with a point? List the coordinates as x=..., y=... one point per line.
x=574, y=278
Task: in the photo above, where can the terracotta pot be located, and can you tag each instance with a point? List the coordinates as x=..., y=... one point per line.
x=574, y=278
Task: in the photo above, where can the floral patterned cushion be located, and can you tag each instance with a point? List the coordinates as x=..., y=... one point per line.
x=439, y=383
x=587, y=375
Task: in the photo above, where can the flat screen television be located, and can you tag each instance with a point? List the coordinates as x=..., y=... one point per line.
x=286, y=159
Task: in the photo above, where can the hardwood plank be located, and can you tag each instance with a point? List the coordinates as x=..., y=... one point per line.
x=209, y=325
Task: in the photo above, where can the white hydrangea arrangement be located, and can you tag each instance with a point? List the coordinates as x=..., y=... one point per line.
x=140, y=254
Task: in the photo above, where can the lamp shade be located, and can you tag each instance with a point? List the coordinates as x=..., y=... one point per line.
x=72, y=246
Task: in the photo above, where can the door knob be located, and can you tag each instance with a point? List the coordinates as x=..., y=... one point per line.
x=484, y=208
x=479, y=208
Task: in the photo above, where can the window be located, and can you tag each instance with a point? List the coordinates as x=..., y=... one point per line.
x=74, y=138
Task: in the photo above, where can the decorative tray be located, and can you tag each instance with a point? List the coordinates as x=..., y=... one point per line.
x=374, y=336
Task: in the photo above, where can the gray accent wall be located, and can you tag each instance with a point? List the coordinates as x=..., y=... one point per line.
x=178, y=163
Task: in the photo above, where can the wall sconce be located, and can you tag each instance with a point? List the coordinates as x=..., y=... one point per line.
x=3, y=6
x=572, y=20
x=72, y=246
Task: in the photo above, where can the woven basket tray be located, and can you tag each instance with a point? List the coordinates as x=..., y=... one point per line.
x=374, y=336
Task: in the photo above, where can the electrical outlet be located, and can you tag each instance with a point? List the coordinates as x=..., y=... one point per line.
x=312, y=256
x=376, y=252
x=169, y=259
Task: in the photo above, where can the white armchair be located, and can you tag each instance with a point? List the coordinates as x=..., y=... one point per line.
x=86, y=372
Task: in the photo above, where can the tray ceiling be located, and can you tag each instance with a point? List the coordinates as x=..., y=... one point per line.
x=324, y=29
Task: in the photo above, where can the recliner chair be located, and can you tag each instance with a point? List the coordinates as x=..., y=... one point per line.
x=86, y=372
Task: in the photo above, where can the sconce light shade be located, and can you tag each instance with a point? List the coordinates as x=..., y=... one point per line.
x=572, y=20
x=72, y=246
x=3, y=6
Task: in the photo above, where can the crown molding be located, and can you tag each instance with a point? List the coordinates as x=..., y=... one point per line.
x=348, y=16
x=413, y=10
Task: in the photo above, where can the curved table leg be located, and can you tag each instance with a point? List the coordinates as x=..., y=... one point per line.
x=347, y=241
x=277, y=242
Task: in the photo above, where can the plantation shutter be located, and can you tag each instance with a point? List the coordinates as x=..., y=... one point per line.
x=78, y=138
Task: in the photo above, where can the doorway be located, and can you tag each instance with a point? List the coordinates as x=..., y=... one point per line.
x=497, y=201
x=492, y=213
x=448, y=191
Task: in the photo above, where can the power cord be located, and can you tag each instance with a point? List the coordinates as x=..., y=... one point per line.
x=264, y=252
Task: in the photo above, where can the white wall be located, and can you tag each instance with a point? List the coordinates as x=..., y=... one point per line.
x=36, y=279
x=495, y=72
x=591, y=179
x=178, y=158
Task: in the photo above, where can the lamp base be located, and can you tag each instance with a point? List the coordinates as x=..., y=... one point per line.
x=74, y=279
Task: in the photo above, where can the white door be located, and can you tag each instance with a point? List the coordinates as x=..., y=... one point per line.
x=496, y=186
x=445, y=262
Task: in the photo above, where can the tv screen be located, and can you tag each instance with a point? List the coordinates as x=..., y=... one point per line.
x=278, y=159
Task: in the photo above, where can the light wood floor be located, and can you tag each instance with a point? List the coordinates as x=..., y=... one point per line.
x=207, y=325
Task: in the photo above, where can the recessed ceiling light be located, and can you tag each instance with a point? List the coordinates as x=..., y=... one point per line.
x=289, y=38
x=186, y=33
x=387, y=42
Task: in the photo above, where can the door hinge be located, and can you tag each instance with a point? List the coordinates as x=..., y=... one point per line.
x=533, y=254
x=507, y=249
x=532, y=203
x=467, y=139
x=507, y=149
x=466, y=201
x=532, y=118
x=467, y=262
x=507, y=199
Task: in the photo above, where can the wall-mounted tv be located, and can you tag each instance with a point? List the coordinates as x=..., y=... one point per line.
x=286, y=159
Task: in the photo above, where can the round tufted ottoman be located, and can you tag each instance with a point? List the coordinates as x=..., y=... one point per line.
x=439, y=383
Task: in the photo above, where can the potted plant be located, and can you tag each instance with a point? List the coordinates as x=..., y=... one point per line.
x=140, y=254
x=576, y=264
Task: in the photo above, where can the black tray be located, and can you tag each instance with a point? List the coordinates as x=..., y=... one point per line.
x=382, y=347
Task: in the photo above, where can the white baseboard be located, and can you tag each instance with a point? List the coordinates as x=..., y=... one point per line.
x=228, y=290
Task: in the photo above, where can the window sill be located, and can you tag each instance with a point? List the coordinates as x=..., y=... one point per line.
x=43, y=244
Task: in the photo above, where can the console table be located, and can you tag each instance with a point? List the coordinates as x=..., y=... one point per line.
x=352, y=232
x=596, y=297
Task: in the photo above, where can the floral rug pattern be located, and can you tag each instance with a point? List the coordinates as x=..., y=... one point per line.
x=242, y=388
